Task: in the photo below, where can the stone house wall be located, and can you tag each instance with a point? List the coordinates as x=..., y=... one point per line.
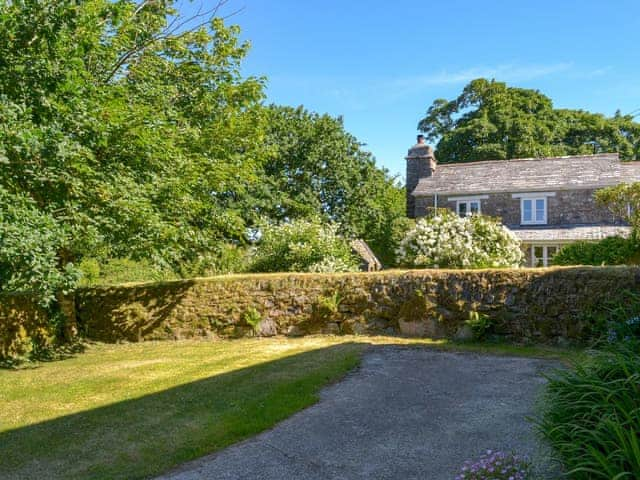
x=566, y=207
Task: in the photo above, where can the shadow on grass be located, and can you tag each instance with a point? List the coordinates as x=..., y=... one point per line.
x=53, y=354
x=141, y=437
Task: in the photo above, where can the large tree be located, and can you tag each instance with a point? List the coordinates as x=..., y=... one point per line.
x=127, y=126
x=492, y=121
x=317, y=168
x=127, y=130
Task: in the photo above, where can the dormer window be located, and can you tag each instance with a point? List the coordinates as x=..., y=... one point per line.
x=533, y=208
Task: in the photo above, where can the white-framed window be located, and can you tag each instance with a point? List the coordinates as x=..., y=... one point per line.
x=541, y=255
x=464, y=208
x=533, y=207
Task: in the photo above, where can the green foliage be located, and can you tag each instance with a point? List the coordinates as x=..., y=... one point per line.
x=614, y=319
x=121, y=270
x=302, y=246
x=623, y=201
x=317, y=168
x=608, y=251
x=30, y=242
x=491, y=121
x=252, y=317
x=134, y=139
x=328, y=306
x=591, y=415
x=479, y=323
x=446, y=240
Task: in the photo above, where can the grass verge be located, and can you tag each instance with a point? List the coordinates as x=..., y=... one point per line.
x=136, y=410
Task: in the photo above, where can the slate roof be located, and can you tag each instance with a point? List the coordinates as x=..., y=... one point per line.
x=570, y=233
x=529, y=175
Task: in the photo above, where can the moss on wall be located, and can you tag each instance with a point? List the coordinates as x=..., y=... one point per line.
x=536, y=305
x=23, y=325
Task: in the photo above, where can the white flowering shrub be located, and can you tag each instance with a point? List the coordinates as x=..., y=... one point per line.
x=449, y=241
x=303, y=246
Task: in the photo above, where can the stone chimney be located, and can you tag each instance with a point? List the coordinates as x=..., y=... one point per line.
x=421, y=162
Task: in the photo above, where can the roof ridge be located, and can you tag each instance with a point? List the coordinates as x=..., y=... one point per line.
x=589, y=156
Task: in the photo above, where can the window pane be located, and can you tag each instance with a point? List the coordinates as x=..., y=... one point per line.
x=540, y=210
x=538, y=253
x=474, y=207
x=551, y=251
x=527, y=214
x=462, y=209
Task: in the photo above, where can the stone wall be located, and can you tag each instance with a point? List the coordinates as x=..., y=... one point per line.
x=542, y=305
x=566, y=207
x=23, y=323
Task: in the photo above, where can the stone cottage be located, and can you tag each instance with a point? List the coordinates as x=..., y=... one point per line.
x=546, y=202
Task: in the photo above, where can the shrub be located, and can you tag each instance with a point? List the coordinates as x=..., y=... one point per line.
x=30, y=242
x=252, y=317
x=449, y=241
x=613, y=319
x=591, y=415
x=327, y=306
x=121, y=270
x=608, y=251
x=479, y=323
x=303, y=246
x=224, y=258
x=496, y=466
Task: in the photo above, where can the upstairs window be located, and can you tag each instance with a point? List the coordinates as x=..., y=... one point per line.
x=466, y=208
x=533, y=210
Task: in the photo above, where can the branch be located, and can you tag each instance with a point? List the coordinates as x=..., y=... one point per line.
x=171, y=30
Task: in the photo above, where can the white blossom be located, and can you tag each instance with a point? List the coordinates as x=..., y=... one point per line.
x=449, y=241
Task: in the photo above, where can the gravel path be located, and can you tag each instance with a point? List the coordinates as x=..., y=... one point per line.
x=404, y=414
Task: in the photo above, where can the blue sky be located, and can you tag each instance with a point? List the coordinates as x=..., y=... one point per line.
x=380, y=64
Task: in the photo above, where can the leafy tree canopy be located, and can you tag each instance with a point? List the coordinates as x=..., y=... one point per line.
x=492, y=121
x=317, y=168
x=138, y=136
x=127, y=131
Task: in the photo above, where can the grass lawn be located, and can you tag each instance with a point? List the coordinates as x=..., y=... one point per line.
x=135, y=410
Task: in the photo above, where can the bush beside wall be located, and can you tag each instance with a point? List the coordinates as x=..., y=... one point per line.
x=541, y=305
x=608, y=251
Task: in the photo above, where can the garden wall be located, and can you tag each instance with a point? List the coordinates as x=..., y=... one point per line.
x=22, y=323
x=542, y=305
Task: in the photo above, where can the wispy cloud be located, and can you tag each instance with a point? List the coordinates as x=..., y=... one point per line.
x=507, y=73
x=382, y=91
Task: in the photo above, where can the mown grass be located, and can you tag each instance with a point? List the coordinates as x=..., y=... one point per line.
x=136, y=410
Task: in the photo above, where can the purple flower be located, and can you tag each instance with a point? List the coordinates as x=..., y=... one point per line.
x=495, y=466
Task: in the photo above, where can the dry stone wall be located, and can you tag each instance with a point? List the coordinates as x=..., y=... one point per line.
x=22, y=323
x=540, y=305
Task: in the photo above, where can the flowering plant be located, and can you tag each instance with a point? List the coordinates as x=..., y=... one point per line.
x=496, y=466
x=449, y=241
x=627, y=331
x=304, y=245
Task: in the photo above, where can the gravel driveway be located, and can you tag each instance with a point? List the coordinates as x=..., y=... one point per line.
x=406, y=413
